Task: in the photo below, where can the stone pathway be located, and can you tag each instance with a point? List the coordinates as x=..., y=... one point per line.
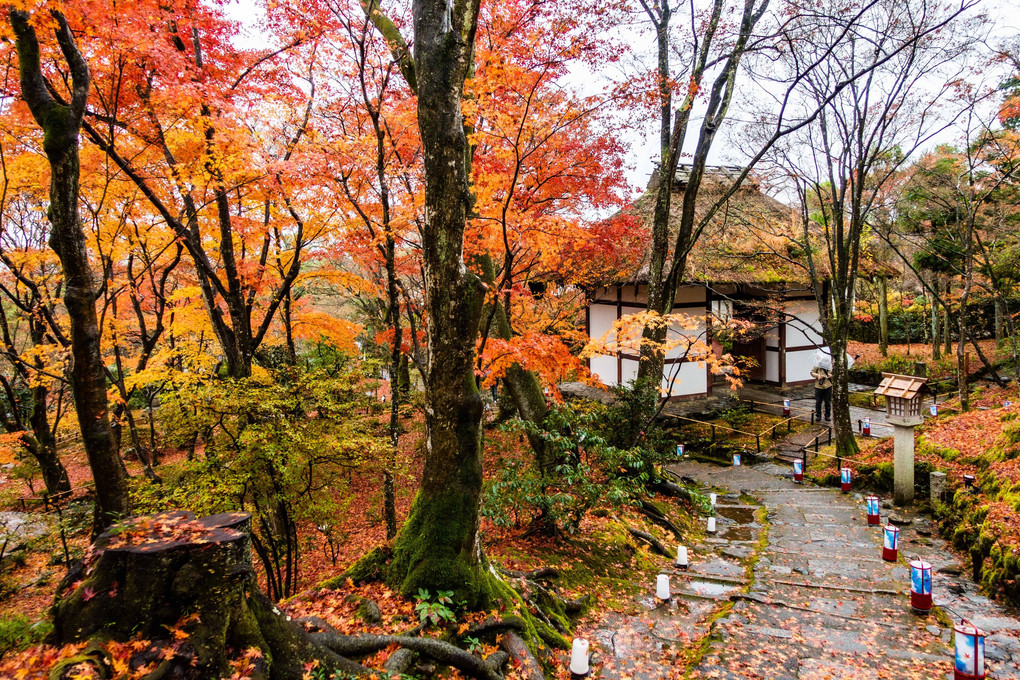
x=802, y=595
x=823, y=604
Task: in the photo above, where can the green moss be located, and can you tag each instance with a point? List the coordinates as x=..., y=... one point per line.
x=434, y=551
x=369, y=568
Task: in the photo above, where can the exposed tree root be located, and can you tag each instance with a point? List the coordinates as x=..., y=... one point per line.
x=527, y=664
x=400, y=661
x=496, y=626
x=653, y=513
x=655, y=543
x=668, y=488
x=443, y=652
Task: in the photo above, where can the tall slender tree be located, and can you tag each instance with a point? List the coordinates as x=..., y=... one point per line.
x=61, y=124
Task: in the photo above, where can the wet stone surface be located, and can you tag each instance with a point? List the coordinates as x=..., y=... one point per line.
x=825, y=604
x=820, y=603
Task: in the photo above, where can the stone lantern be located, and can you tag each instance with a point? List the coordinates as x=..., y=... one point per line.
x=903, y=411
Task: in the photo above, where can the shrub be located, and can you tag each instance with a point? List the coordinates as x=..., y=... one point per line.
x=17, y=632
x=278, y=446
x=589, y=471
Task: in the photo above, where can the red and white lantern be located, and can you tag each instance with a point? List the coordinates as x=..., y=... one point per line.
x=920, y=586
x=844, y=479
x=866, y=427
x=798, y=471
x=970, y=652
x=786, y=408
x=890, y=543
x=874, y=516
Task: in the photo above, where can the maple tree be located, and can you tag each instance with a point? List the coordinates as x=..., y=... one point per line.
x=536, y=148
x=230, y=193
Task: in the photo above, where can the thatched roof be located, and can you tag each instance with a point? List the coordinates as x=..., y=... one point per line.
x=753, y=239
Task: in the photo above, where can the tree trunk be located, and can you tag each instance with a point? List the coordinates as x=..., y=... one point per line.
x=883, y=316
x=843, y=427
x=404, y=382
x=61, y=125
x=45, y=449
x=523, y=385
x=947, y=332
x=438, y=547
x=1000, y=307
x=961, y=354
x=936, y=327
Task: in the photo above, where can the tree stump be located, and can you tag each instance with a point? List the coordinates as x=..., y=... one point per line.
x=189, y=581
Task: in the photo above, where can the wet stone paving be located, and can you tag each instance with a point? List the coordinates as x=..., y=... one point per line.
x=804, y=595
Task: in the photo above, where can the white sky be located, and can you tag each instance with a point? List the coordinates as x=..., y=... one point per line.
x=1005, y=16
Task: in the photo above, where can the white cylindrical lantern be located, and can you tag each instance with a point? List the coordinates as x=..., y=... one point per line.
x=681, y=557
x=844, y=479
x=786, y=408
x=874, y=516
x=890, y=543
x=579, y=657
x=798, y=471
x=711, y=525
x=970, y=652
x=679, y=450
x=736, y=459
x=662, y=586
x=934, y=410
x=866, y=427
x=712, y=499
x=920, y=586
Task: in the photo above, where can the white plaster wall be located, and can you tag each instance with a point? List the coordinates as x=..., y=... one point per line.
x=690, y=378
x=804, y=328
x=629, y=372
x=633, y=293
x=772, y=337
x=600, y=320
x=604, y=368
x=688, y=295
x=723, y=309
x=685, y=336
x=799, y=365
x=772, y=366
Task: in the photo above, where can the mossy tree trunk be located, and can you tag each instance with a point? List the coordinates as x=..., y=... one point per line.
x=438, y=547
x=61, y=124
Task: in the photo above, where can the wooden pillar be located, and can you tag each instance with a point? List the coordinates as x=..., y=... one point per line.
x=782, y=336
x=587, y=329
x=619, y=315
x=708, y=336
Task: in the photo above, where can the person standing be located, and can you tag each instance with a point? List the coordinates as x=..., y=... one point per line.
x=823, y=392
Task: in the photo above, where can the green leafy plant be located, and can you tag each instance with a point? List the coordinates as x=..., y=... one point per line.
x=434, y=611
x=278, y=445
x=17, y=632
x=588, y=471
x=735, y=417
